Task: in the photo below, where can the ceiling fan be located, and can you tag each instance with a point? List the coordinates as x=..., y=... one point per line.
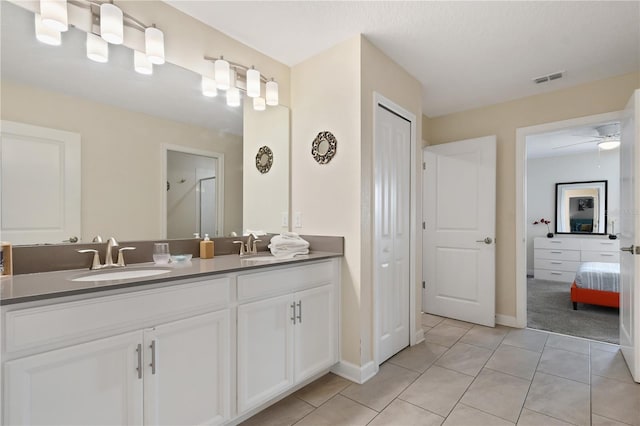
x=608, y=137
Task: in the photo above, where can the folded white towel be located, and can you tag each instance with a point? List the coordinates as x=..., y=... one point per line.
x=288, y=245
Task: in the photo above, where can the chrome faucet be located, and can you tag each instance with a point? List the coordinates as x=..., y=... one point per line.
x=108, y=261
x=251, y=247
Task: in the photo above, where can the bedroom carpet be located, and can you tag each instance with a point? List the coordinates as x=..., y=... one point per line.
x=549, y=308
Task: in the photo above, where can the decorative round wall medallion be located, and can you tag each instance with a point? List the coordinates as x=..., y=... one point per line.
x=324, y=147
x=264, y=159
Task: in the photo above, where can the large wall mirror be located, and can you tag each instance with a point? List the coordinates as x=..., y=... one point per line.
x=581, y=207
x=131, y=127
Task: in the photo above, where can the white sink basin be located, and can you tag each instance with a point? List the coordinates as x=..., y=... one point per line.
x=121, y=274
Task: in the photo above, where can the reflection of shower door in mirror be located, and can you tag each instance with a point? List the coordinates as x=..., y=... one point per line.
x=207, y=217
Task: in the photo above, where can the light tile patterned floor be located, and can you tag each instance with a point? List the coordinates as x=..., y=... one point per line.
x=469, y=375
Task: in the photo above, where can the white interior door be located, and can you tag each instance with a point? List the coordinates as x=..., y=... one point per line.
x=630, y=218
x=40, y=179
x=459, y=237
x=392, y=227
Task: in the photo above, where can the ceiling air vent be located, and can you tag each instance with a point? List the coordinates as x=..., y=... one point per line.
x=550, y=77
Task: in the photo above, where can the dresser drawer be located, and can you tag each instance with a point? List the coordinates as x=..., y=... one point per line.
x=556, y=265
x=600, y=245
x=558, y=254
x=601, y=256
x=557, y=243
x=564, y=276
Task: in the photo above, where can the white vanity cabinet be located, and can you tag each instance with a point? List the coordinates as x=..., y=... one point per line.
x=166, y=371
x=287, y=330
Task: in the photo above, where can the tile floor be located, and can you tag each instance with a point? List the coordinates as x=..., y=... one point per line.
x=466, y=374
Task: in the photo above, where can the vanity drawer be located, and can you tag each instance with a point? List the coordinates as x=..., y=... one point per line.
x=601, y=256
x=557, y=265
x=601, y=245
x=63, y=322
x=564, y=276
x=556, y=243
x=281, y=281
x=558, y=254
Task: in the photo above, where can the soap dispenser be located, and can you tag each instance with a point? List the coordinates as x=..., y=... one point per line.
x=206, y=248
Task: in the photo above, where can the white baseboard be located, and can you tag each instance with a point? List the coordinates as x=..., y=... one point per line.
x=419, y=336
x=508, y=320
x=355, y=373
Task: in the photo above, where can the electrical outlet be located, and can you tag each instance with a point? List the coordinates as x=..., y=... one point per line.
x=284, y=221
x=297, y=219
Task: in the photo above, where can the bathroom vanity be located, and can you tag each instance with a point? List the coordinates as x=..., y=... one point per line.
x=211, y=342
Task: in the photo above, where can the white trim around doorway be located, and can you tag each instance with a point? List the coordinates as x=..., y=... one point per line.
x=521, y=198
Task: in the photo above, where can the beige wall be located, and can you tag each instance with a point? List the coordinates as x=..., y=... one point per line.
x=334, y=91
x=380, y=74
x=325, y=95
x=122, y=159
x=265, y=195
x=502, y=120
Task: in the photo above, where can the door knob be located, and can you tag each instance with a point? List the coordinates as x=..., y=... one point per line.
x=632, y=249
x=487, y=240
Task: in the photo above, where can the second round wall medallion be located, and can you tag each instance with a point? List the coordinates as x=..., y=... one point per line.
x=264, y=159
x=324, y=147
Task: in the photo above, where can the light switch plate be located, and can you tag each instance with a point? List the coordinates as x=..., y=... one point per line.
x=284, y=221
x=297, y=219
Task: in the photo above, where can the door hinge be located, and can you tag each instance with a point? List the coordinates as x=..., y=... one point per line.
x=424, y=285
x=424, y=166
x=424, y=225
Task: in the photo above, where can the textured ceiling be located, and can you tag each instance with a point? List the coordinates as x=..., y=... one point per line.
x=465, y=54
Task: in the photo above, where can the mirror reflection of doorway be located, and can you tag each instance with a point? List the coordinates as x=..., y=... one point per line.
x=192, y=195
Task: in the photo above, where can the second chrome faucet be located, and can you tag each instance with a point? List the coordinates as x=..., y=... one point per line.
x=108, y=261
x=248, y=248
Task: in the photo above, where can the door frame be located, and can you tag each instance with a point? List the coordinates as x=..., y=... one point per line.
x=163, y=179
x=521, y=201
x=416, y=334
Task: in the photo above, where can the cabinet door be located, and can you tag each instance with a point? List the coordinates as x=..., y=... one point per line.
x=265, y=350
x=315, y=331
x=187, y=371
x=93, y=383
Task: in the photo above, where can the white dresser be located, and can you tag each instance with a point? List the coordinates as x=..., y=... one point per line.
x=558, y=259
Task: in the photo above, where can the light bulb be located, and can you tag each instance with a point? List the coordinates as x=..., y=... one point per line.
x=609, y=144
x=221, y=73
x=111, y=23
x=54, y=14
x=259, y=104
x=209, y=87
x=154, y=45
x=141, y=63
x=271, y=93
x=253, y=83
x=233, y=97
x=97, y=48
x=46, y=34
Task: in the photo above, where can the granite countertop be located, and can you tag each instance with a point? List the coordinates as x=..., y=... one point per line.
x=50, y=285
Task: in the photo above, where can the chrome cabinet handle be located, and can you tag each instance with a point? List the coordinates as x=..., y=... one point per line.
x=293, y=312
x=631, y=249
x=153, y=357
x=487, y=240
x=300, y=311
x=139, y=367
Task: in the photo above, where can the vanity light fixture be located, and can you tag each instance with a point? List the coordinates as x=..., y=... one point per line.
x=154, y=44
x=54, y=14
x=46, y=34
x=97, y=48
x=111, y=23
x=608, y=144
x=221, y=73
x=259, y=104
x=209, y=88
x=272, y=93
x=141, y=63
x=253, y=83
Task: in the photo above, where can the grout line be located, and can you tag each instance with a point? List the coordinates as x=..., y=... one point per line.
x=535, y=370
x=548, y=415
x=483, y=411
